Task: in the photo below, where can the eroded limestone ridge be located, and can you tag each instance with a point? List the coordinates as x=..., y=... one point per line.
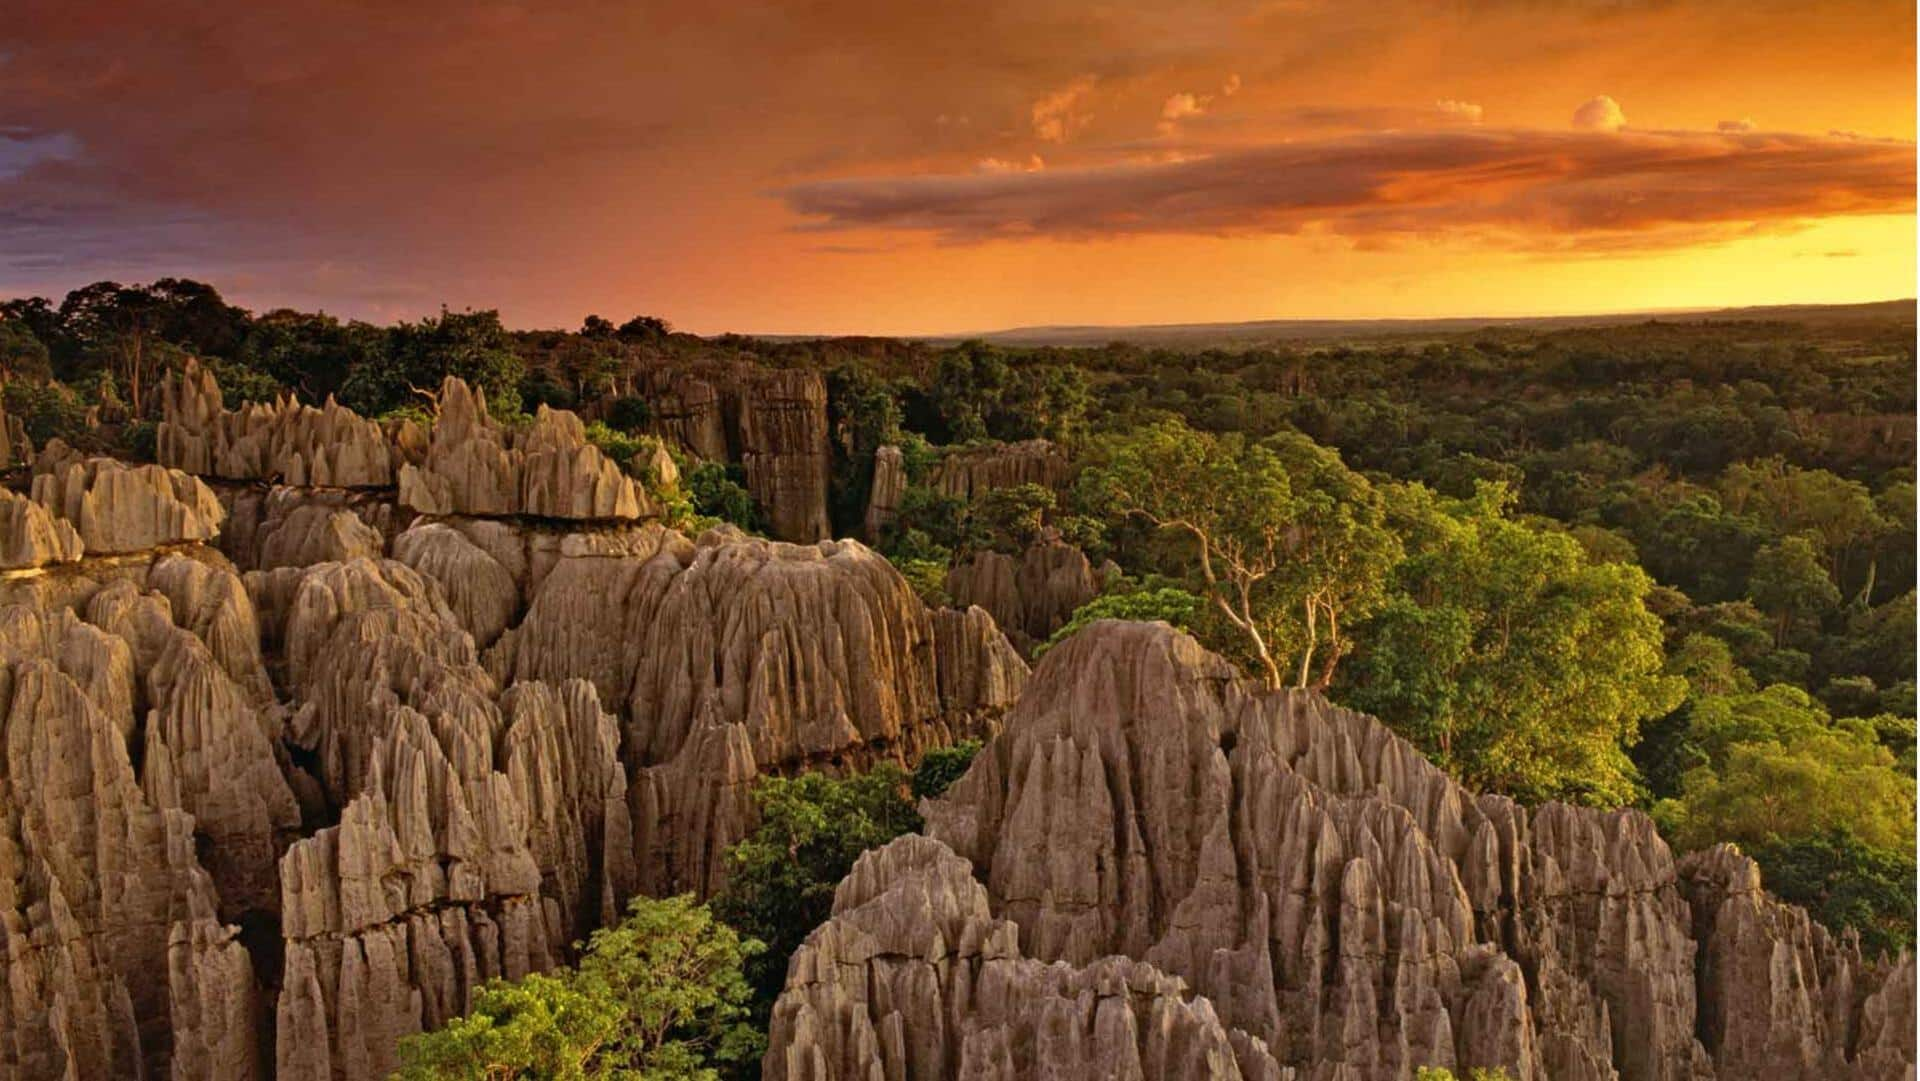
x=101, y=507
x=286, y=441
x=470, y=464
x=1288, y=886
x=974, y=471
x=475, y=466
x=269, y=822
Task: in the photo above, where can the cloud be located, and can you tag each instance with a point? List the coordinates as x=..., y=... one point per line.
x=1180, y=106
x=1231, y=86
x=1512, y=188
x=1058, y=115
x=1380, y=117
x=1033, y=164
x=1599, y=114
x=21, y=150
x=1735, y=127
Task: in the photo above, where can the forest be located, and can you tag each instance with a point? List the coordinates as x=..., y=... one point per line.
x=1665, y=565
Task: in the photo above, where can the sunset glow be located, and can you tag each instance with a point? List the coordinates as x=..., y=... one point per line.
x=884, y=168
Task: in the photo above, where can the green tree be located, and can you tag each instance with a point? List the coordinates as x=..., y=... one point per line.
x=472, y=345
x=118, y=327
x=1230, y=499
x=22, y=354
x=47, y=410
x=942, y=766
x=1338, y=551
x=1839, y=513
x=1173, y=606
x=719, y=490
x=943, y=520
x=1844, y=882
x=543, y=1026
x=1510, y=658
x=812, y=827
x=1008, y=519
x=1790, y=584
x=661, y=994
x=1813, y=782
x=675, y=974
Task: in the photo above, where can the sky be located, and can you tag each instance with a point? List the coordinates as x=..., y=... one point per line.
x=878, y=167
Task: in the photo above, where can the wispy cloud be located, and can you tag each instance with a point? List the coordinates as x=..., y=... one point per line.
x=1516, y=187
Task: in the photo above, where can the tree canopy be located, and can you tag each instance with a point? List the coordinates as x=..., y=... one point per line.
x=1511, y=658
x=661, y=994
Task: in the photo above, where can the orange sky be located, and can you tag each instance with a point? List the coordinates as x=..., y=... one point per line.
x=877, y=167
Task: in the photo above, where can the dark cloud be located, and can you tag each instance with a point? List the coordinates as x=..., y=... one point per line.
x=1535, y=185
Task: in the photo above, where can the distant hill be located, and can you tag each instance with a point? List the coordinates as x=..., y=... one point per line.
x=1264, y=331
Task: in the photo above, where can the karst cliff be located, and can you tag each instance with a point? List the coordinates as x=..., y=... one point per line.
x=1157, y=870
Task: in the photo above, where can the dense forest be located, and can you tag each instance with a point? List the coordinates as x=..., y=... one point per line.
x=1667, y=565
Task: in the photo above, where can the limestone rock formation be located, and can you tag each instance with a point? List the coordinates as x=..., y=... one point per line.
x=286, y=442
x=15, y=448
x=1031, y=596
x=481, y=590
x=473, y=466
x=914, y=977
x=118, y=508
x=112, y=950
x=980, y=674
x=283, y=526
x=772, y=421
x=56, y=455
x=731, y=656
x=31, y=536
x=972, y=471
x=431, y=883
x=883, y=496
x=1334, y=900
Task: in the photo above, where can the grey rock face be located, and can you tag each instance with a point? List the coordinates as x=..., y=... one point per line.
x=114, y=952
x=973, y=471
x=771, y=421
x=473, y=466
x=731, y=656
x=284, y=526
x=1029, y=596
x=1338, y=902
x=32, y=536
x=286, y=442
x=914, y=977
x=117, y=508
x=883, y=495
